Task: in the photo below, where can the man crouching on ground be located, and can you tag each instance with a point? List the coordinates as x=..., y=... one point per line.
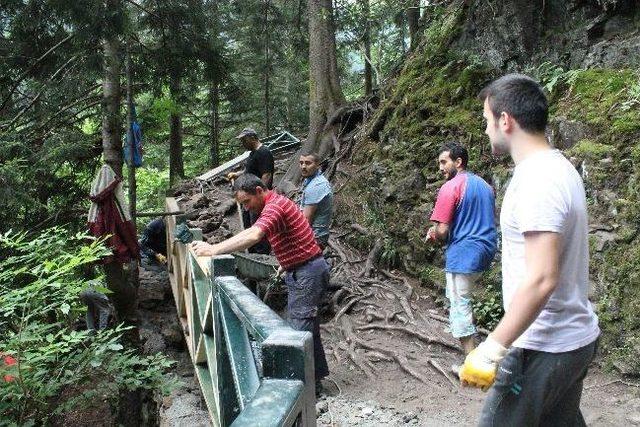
x=295, y=248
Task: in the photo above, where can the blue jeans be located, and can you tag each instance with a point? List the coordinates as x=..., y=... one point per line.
x=306, y=284
x=535, y=388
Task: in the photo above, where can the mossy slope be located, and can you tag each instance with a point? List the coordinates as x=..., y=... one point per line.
x=434, y=100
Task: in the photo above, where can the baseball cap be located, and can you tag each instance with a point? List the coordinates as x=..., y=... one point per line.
x=247, y=132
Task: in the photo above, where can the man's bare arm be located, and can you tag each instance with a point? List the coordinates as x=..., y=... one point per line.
x=542, y=258
x=267, y=178
x=438, y=232
x=243, y=240
x=309, y=212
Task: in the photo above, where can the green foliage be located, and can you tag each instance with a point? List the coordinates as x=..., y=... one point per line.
x=431, y=275
x=553, y=77
x=41, y=278
x=587, y=149
x=604, y=98
x=151, y=187
x=390, y=255
x=487, y=302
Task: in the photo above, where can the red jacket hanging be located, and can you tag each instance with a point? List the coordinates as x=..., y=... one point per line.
x=109, y=215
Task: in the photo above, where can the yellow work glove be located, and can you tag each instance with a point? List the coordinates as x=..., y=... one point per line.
x=231, y=176
x=161, y=258
x=481, y=365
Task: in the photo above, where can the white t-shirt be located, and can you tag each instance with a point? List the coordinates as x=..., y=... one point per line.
x=546, y=194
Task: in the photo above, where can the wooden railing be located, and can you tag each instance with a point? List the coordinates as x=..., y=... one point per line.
x=253, y=369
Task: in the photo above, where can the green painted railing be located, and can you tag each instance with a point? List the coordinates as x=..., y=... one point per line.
x=253, y=369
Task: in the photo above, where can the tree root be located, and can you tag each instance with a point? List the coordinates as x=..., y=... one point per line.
x=438, y=368
x=402, y=299
x=409, y=290
x=350, y=304
x=369, y=267
x=425, y=338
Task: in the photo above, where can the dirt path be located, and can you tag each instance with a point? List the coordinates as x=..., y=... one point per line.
x=365, y=389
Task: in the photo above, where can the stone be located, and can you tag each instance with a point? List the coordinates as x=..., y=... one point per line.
x=406, y=418
x=367, y=411
x=569, y=133
x=603, y=239
x=172, y=334
x=153, y=341
x=227, y=207
x=199, y=201
x=634, y=419
x=322, y=407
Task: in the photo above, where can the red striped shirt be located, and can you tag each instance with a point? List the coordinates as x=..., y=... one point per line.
x=287, y=230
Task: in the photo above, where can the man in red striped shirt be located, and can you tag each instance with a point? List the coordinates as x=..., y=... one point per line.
x=295, y=248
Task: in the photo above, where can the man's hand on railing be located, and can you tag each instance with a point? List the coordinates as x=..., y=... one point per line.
x=203, y=248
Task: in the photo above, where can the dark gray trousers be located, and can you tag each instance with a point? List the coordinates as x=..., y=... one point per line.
x=535, y=388
x=306, y=285
x=98, y=309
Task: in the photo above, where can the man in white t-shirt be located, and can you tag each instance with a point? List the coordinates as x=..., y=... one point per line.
x=539, y=353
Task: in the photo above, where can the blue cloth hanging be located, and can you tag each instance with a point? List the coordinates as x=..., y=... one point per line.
x=133, y=139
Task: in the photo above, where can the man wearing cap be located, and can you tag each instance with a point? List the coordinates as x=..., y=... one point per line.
x=260, y=163
x=282, y=223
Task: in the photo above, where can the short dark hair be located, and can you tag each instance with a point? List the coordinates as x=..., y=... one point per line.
x=521, y=97
x=456, y=150
x=248, y=183
x=312, y=154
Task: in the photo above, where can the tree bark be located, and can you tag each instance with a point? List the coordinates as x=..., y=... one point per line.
x=413, y=19
x=111, y=132
x=214, y=149
x=132, y=169
x=267, y=70
x=366, y=40
x=325, y=93
x=176, y=164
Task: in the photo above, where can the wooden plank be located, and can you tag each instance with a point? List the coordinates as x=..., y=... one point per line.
x=188, y=316
x=243, y=366
x=207, y=317
x=227, y=166
x=288, y=354
x=262, y=411
x=200, y=357
x=206, y=386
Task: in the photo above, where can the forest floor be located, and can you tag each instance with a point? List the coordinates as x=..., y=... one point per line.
x=387, y=343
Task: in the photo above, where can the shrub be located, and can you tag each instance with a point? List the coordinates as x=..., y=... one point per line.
x=40, y=280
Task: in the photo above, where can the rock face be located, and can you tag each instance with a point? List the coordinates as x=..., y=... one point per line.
x=574, y=33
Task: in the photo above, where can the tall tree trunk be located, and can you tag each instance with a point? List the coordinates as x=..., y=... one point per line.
x=267, y=69
x=132, y=169
x=176, y=165
x=413, y=19
x=325, y=93
x=111, y=132
x=366, y=40
x=214, y=148
x=399, y=21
